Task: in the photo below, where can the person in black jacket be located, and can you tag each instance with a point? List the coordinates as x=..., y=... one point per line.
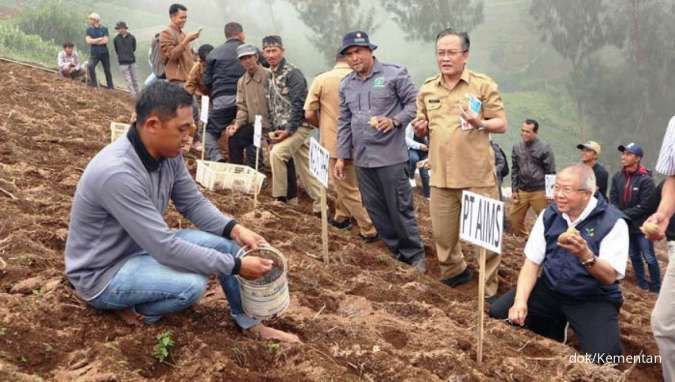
x=125, y=47
x=221, y=74
x=531, y=160
x=590, y=151
x=630, y=191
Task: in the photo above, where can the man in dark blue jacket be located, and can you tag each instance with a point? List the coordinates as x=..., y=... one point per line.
x=221, y=74
x=630, y=190
x=579, y=281
x=97, y=39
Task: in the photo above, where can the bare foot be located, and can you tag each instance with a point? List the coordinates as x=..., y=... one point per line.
x=130, y=317
x=267, y=333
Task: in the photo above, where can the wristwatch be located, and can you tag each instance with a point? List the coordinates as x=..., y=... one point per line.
x=588, y=263
x=481, y=126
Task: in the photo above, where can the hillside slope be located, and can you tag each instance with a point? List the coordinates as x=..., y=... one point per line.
x=362, y=317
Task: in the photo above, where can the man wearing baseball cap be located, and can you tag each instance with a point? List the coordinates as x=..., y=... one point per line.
x=251, y=101
x=377, y=101
x=630, y=191
x=589, y=153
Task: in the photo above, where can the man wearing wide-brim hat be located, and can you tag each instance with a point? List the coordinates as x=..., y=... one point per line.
x=377, y=101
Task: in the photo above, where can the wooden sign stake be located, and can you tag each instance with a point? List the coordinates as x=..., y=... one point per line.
x=481, y=306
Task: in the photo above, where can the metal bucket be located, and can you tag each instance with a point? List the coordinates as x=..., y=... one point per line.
x=265, y=297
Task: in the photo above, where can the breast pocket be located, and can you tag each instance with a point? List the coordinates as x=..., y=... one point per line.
x=381, y=100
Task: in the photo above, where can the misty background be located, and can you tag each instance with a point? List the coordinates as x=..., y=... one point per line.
x=585, y=69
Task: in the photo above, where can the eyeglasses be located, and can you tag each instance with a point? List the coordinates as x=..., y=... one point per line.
x=565, y=191
x=449, y=53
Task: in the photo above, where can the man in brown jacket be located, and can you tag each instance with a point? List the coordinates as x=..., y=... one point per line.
x=251, y=101
x=174, y=45
x=322, y=109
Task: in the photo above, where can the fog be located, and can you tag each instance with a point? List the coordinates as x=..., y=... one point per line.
x=586, y=69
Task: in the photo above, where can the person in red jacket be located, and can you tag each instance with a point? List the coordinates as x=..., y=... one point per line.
x=630, y=190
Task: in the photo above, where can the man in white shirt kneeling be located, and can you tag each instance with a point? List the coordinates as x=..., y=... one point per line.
x=582, y=245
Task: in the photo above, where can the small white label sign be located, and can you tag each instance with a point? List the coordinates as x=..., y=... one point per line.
x=482, y=221
x=550, y=183
x=204, y=114
x=257, y=131
x=319, y=160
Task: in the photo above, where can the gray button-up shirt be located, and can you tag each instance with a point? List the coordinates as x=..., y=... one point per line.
x=387, y=91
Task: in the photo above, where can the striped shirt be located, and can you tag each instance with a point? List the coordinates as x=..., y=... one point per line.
x=666, y=162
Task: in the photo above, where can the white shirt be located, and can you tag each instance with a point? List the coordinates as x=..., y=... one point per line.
x=613, y=247
x=666, y=162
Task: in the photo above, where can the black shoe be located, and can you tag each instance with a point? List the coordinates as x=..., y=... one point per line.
x=458, y=280
x=345, y=225
x=369, y=239
x=419, y=263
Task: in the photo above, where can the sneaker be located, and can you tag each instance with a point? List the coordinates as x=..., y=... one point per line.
x=458, y=280
x=344, y=225
x=413, y=183
x=294, y=202
x=368, y=239
x=419, y=263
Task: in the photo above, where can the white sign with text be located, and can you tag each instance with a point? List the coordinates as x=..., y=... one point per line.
x=550, y=183
x=257, y=131
x=319, y=160
x=204, y=114
x=482, y=221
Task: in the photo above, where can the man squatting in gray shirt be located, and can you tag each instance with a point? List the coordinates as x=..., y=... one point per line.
x=121, y=255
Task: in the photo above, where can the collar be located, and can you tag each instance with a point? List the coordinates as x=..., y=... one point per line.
x=151, y=164
x=531, y=143
x=257, y=76
x=377, y=68
x=592, y=203
x=466, y=77
x=175, y=28
x=281, y=66
x=341, y=65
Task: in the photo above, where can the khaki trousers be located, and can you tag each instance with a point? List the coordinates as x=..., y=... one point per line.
x=663, y=318
x=446, y=206
x=348, y=203
x=295, y=146
x=535, y=199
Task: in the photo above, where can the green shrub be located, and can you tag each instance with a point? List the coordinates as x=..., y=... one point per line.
x=55, y=21
x=16, y=44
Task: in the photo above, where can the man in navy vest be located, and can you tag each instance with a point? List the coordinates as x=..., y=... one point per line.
x=579, y=283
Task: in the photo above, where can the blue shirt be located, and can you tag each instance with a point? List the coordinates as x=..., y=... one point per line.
x=96, y=33
x=387, y=91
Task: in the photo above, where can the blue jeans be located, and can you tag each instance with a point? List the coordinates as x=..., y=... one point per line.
x=154, y=290
x=641, y=248
x=415, y=156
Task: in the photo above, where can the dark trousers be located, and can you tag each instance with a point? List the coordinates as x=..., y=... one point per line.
x=103, y=58
x=242, y=142
x=292, y=179
x=387, y=196
x=415, y=156
x=219, y=119
x=596, y=323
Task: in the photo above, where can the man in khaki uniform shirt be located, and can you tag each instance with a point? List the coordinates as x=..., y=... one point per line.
x=321, y=109
x=460, y=153
x=174, y=46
